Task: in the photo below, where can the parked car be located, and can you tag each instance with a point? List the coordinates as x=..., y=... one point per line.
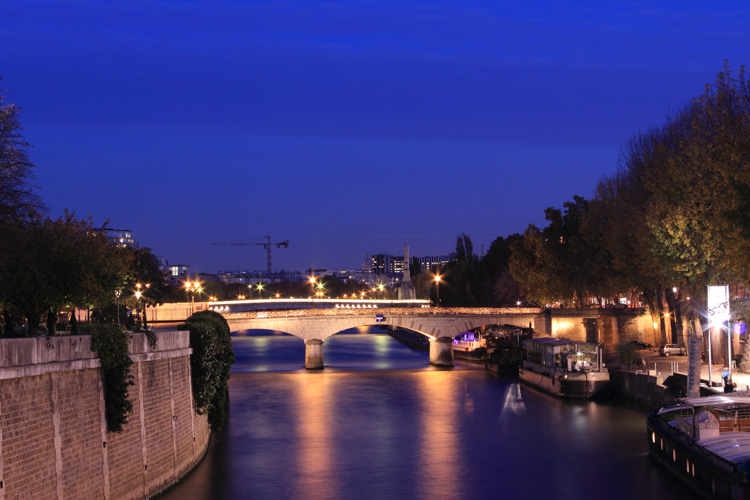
x=672, y=350
x=640, y=345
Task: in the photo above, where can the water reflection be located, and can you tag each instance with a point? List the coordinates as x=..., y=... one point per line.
x=438, y=469
x=513, y=405
x=313, y=436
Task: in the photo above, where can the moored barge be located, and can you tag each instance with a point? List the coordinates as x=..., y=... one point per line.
x=706, y=443
x=564, y=368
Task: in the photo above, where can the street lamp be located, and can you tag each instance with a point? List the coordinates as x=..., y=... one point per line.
x=191, y=288
x=312, y=285
x=139, y=306
x=437, y=288
x=260, y=290
x=117, y=299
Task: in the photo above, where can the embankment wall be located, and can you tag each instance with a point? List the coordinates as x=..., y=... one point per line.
x=54, y=441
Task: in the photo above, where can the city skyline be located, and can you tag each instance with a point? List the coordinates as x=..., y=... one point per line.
x=346, y=129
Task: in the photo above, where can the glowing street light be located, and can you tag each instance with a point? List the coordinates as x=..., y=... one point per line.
x=117, y=299
x=138, y=295
x=192, y=287
x=437, y=288
x=260, y=290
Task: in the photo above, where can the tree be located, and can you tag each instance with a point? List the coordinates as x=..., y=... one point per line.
x=560, y=263
x=528, y=266
x=144, y=269
x=17, y=197
x=462, y=276
x=676, y=209
x=498, y=284
x=46, y=264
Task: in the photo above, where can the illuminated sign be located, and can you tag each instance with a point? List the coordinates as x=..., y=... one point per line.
x=718, y=303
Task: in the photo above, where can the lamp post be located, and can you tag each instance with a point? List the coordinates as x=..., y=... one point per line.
x=260, y=290
x=192, y=287
x=437, y=288
x=138, y=295
x=117, y=299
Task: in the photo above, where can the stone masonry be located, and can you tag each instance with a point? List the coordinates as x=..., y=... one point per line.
x=53, y=438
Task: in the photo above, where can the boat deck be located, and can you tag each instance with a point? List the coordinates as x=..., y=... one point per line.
x=733, y=446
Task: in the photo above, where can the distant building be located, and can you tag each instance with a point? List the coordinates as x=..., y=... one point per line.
x=387, y=264
x=120, y=237
x=432, y=264
x=247, y=277
x=178, y=272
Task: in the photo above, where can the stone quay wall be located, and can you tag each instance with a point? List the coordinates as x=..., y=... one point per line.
x=54, y=442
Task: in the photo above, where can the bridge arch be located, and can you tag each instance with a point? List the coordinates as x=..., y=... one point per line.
x=315, y=328
x=430, y=325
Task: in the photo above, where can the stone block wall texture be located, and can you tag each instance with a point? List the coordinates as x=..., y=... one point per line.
x=53, y=438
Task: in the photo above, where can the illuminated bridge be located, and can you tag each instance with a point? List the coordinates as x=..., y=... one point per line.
x=314, y=320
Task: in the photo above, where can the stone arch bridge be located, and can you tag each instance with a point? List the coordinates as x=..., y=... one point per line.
x=440, y=325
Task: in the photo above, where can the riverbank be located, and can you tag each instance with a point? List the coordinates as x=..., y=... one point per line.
x=661, y=380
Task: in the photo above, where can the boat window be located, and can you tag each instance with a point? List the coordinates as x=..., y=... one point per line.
x=674, y=455
x=653, y=437
x=687, y=466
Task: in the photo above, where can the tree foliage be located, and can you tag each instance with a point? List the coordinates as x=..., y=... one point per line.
x=561, y=263
x=47, y=264
x=499, y=286
x=210, y=364
x=17, y=196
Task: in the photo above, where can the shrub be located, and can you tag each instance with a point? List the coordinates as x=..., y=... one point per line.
x=111, y=345
x=210, y=364
x=628, y=354
x=74, y=327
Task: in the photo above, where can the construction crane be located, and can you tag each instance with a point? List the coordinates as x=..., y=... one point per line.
x=267, y=245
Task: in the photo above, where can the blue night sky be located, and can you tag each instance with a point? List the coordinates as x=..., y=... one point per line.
x=347, y=128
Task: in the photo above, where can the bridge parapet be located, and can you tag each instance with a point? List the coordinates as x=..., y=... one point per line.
x=400, y=311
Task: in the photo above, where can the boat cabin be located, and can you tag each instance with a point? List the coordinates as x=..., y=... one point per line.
x=549, y=355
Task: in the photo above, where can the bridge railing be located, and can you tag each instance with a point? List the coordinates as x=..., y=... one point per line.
x=444, y=311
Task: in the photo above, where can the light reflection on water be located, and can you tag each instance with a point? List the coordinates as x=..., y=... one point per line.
x=407, y=430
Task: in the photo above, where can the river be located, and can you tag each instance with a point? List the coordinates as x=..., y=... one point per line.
x=380, y=423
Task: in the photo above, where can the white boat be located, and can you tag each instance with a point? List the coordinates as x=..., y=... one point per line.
x=706, y=443
x=563, y=367
x=468, y=341
x=470, y=346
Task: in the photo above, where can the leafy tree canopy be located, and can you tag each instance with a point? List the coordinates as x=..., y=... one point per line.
x=47, y=264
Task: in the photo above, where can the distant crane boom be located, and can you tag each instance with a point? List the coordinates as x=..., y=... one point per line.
x=267, y=245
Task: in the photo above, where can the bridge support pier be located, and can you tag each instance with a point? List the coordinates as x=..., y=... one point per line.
x=441, y=352
x=314, y=354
